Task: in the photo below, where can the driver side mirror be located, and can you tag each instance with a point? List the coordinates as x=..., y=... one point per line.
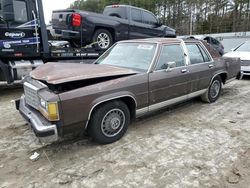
x=8, y=10
x=170, y=65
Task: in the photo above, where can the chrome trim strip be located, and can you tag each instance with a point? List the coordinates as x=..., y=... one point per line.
x=230, y=80
x=109, y=99
x=30, y=86
x=217, y=75
x=154, y=58
x=160, y=105
x=167, y=103
x=197, y=93
x=142, y=111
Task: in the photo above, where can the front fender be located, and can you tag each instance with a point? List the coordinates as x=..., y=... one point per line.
x=109, y=97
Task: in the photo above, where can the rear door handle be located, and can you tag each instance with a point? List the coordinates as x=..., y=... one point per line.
x=210, y=66
x=184, y=70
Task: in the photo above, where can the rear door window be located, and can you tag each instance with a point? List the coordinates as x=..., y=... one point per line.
x=120, y=12
x=197, y=54
x=20, y=11
x=136, y=15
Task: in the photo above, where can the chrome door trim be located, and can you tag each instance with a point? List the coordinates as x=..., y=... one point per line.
x=160, y=105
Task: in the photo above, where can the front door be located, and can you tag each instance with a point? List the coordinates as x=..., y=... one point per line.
x=169, y=85
x=152, y=28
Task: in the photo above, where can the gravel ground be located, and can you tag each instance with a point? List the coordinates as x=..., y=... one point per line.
x=190, y=145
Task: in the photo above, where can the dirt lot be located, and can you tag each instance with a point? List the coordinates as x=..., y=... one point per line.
x=191, y=145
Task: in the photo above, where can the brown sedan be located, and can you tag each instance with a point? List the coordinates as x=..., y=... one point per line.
x=131, y=79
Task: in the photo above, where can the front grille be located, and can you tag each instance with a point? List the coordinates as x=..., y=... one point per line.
x=245, y=62
x=31, y=96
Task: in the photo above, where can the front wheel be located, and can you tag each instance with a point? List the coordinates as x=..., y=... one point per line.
x=109, y=122
x=214, y=90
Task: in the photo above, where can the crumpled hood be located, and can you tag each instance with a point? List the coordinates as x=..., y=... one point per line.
x=241, y=55
x=57, y=73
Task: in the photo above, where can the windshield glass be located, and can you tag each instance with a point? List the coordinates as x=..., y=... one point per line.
x=137, y=56
x=245, y=47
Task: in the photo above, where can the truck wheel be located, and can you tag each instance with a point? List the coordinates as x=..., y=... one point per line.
x=214, y=90
x=103, y=39
x=109, y=122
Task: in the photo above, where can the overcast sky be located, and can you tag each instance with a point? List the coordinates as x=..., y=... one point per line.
x=50, y=5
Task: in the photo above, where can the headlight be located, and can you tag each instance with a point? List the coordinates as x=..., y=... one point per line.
x=49, y=110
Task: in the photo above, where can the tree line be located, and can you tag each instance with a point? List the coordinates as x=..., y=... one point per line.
x=187, y=16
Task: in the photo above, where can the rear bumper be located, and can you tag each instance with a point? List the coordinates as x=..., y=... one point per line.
x=39, y=124
x=68, y=34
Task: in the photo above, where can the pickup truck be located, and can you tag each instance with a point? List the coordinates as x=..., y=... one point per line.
x=118, y=22
x=130, y=79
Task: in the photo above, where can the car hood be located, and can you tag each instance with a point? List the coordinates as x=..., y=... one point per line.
x=57, y=73
x=241, y=55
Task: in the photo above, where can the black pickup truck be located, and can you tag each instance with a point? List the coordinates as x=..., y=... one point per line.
x=118, y=22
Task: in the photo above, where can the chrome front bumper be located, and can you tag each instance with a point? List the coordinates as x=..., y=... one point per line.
x=39, y=124
x=245, y=70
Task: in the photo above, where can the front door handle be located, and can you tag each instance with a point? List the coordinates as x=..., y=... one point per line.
x=184, y=70
x=210, y=66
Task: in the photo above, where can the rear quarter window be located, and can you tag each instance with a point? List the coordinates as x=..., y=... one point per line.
x=214, y=53
x=119, y=12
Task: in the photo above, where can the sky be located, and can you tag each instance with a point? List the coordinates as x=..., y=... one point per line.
x=50, y=5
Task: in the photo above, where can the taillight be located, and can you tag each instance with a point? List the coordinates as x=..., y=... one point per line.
x=76, y=20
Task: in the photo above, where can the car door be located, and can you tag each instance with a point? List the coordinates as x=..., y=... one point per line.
x=167, y=86
x=137, y=27
x=201, y=66
x=151, y=24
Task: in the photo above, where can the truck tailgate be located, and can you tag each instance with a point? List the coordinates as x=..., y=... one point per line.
x=60, y=19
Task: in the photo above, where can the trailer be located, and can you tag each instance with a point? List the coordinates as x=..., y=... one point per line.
x=24, y=43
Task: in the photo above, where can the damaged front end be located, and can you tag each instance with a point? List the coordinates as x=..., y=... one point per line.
x=41, y=104
x=39, y=107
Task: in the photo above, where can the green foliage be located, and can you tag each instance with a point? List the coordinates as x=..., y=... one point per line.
x=207, y=16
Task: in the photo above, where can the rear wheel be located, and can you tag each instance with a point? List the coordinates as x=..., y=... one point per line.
x=102, y=39
x=214, y=90
x=109, y=122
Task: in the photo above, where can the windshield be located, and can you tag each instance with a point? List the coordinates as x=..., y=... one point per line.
x=136, y=56
x=245, y=47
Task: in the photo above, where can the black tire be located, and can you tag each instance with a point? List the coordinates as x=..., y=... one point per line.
x=105, y=34
x=214, y=90
x=109, y=122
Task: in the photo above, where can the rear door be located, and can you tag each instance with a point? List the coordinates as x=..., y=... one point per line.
x=201, y=66
x=172, y=84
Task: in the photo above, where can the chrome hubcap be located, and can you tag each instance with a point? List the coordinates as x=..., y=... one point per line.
x=215, y=89
x=113, y=122
x=103, y=40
